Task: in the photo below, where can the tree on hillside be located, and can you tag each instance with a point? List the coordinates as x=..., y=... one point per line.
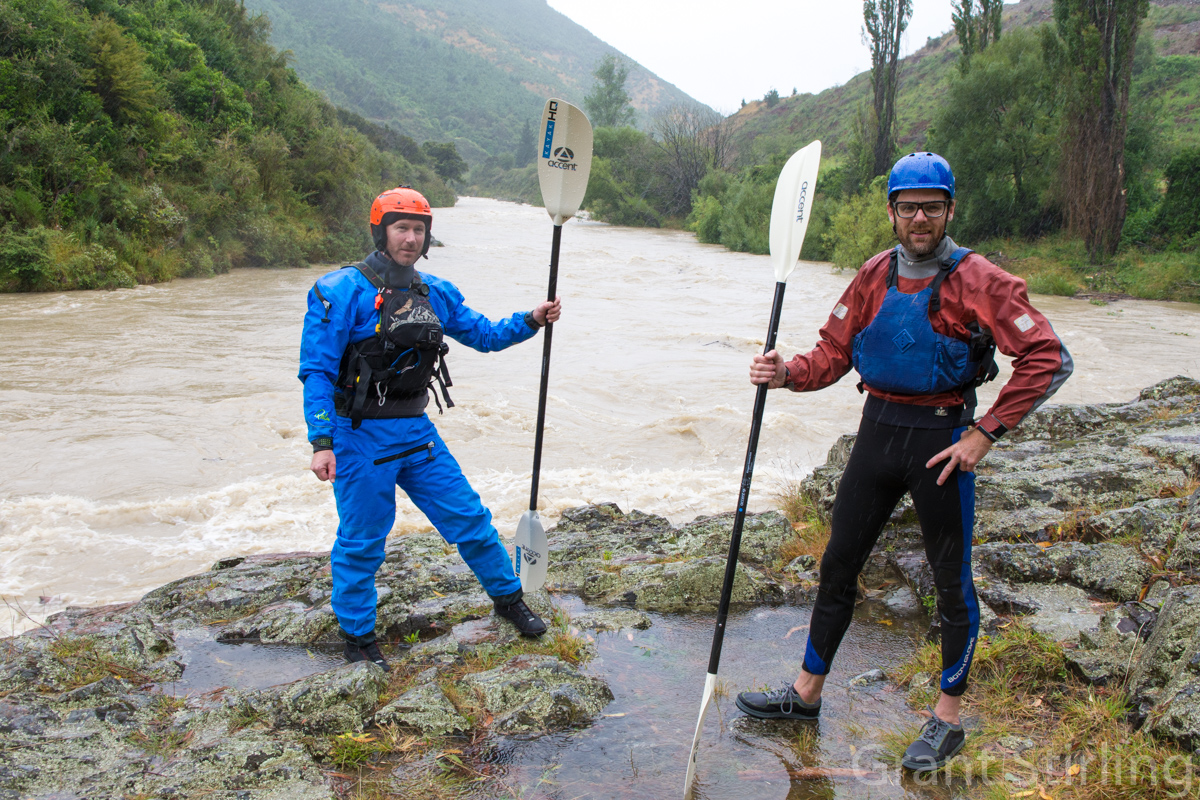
x=526, y=146
x=976, y=27
x=694, y=140
x=119, y=75
x=608, y=103
x=998, y=128
x=1094, y=49
x=884, y=22
x=447, y=163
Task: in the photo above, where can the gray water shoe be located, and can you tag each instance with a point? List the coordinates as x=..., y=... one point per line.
x=938, y=743
x=783, y=703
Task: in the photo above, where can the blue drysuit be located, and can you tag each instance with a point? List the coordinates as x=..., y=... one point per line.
x=428, y=474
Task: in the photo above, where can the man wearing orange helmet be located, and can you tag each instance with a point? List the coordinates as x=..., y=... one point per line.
x=371, y=350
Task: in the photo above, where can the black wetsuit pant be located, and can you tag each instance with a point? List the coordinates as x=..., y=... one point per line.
x=887, y=461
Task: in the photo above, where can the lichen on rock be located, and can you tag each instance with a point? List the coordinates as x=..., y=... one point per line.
x=538, y=694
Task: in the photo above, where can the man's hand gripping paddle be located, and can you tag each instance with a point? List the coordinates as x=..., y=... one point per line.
x=790, y=213
x=563, y=167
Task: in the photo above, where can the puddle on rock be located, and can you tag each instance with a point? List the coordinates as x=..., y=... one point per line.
x=209, y=664
x=639, y=747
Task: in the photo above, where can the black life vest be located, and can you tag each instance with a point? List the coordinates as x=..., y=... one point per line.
x=390, y=374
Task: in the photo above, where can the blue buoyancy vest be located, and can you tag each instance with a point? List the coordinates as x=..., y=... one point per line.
x=900, y=352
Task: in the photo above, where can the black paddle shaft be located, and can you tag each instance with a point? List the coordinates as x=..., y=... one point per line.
x=541, y=417
x=735, y=542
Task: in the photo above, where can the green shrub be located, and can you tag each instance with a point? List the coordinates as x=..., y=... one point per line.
x=746, y=223
x=24, y=259
x=705, y=219
x=1141, y=228
x=860, y=227
x=1059, y=281
x=1179, y=212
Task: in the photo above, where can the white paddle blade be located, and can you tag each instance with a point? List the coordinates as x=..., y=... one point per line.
x=710, y=685
x=792, y=208
x=530, y=552
x=565, y=158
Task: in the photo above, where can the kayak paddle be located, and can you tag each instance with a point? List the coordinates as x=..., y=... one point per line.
x=566, y=160
x=790, y=212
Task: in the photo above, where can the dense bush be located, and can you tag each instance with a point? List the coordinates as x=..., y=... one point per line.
x=860, y=227
x=1178, y=217
x=735, y=210
x=149, y=139
x=998, y=128
x=622, y=188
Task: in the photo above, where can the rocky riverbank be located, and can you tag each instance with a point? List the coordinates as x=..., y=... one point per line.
x=1088, y=532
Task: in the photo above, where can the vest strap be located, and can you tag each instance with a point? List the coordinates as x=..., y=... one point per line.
x=944, y=270
x=370, y=274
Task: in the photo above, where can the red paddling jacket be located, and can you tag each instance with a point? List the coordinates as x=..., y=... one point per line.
x=977, y=291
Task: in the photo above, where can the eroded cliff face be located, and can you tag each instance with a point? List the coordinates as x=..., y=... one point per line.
x=1088, y=531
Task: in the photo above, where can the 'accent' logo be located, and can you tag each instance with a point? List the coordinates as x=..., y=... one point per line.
x=564, y=154
x=802, y=201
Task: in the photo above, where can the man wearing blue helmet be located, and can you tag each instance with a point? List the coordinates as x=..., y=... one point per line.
x=920, y=323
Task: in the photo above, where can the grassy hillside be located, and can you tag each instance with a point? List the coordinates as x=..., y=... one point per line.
x=1173, y=78
x=474, y=71
x=147, y=140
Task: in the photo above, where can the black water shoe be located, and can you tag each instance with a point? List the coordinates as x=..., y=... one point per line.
x=782, y=703
x=938, y=743
x=519, y=614
x=368, y=652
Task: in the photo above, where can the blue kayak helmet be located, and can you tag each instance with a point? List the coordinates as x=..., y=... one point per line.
x=921, y=171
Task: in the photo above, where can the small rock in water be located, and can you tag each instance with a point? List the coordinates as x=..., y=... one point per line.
x=902, y=601
x=612, y=620
x=869, y=677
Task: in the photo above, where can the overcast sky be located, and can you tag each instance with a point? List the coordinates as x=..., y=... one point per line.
x=722, y=52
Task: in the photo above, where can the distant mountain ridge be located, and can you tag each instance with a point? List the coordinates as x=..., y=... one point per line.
x=472, y=71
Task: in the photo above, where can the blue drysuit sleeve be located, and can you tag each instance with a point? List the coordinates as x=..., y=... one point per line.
x=467, y=326
x=325, y=337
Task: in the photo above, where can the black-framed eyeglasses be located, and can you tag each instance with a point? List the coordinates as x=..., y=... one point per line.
x=933, y=209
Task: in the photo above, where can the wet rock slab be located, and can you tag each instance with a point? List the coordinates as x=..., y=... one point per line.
x=643, y=562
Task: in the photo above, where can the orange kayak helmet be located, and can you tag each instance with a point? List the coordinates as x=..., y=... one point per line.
x=403, y=202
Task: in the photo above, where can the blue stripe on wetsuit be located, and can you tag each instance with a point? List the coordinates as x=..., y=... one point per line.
x=956, y=674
